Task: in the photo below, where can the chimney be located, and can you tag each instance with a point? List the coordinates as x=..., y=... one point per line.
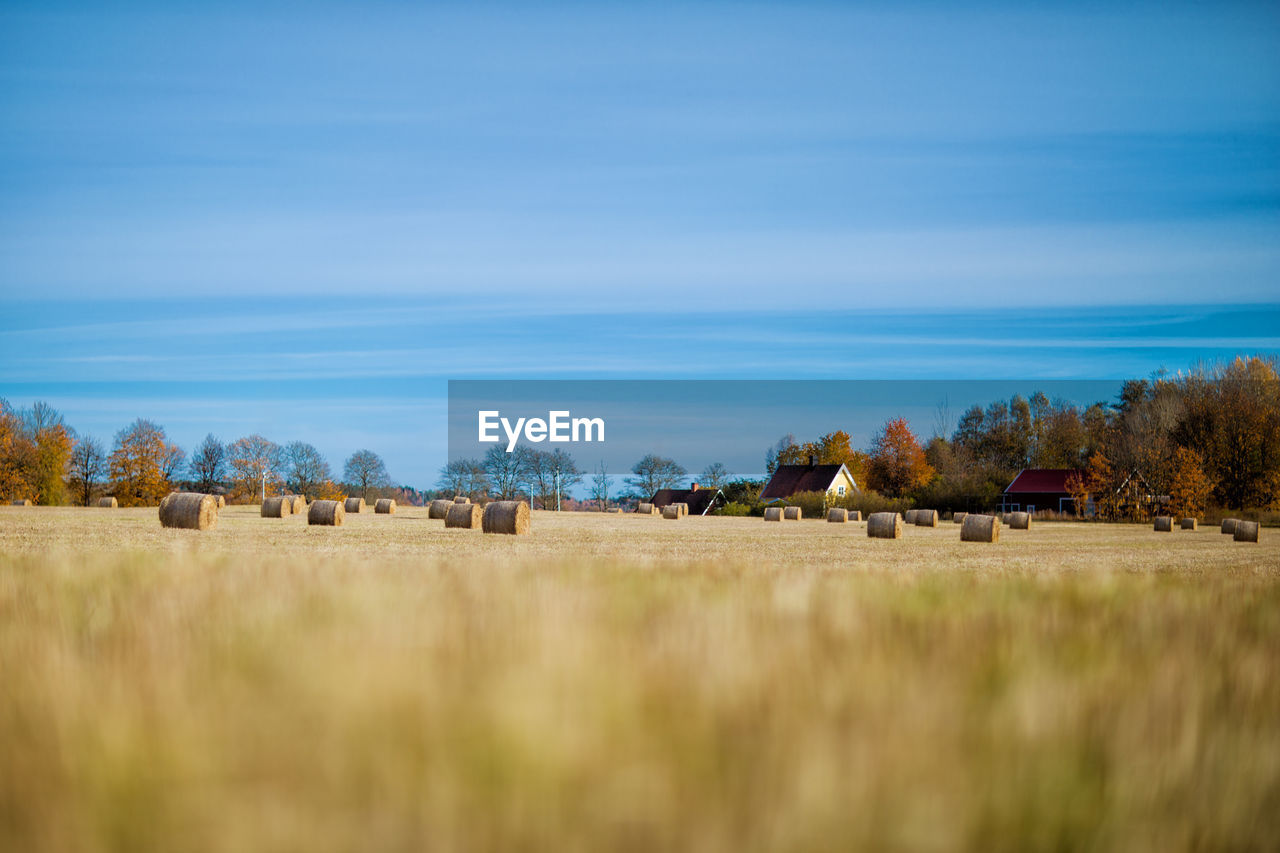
x=693, y=488
x=813, y=460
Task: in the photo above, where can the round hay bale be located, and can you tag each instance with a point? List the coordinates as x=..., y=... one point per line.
x=22, y=502
x=1247, y=531
x=327, y=513
x=1019, y=520
x=614, y=510
x=299, y=504
x=884, y=525
x=109, y=503
x=467, y=516
x=773, y=513
x=911, y=516
x=385, y=506
x=277, y=507
x=1229, y=525
x=438, y=508
x=189, y=510
x=1164, y=524
x=354, y=505
x=855, y=515
x=926, y=518
x=683, y=507
x=837, y=515
x=672, y=511
x=506, y=517
x=958, y=518
x=461, y=499
x=1189, y=524
x=645, y=508
x=792, y=513
x=980, y=528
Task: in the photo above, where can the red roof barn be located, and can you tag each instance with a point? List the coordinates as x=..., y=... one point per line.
x=1039, y=488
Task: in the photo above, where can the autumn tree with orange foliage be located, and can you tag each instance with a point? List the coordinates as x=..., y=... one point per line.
x=834, y=448
x=1190, y=486
x=897, y=462
x=1231, y=414
x=35, y=449
x=251, y=459
x=1078, y=488
x=17, y=453
x=52, y=441
x=1100, y=482
x=137, y=464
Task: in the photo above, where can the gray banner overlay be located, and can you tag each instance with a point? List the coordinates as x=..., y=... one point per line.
x=698, y=422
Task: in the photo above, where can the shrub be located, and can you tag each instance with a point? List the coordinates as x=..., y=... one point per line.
x=812, y=504
x=734, y=508
x=869, y=502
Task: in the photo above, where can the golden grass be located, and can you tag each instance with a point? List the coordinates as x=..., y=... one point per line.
x=606, y=683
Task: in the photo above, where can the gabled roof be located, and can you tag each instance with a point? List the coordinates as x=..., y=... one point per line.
x=699, y=500
x=789, y=480
x=1041, y=481
x=1135, y=476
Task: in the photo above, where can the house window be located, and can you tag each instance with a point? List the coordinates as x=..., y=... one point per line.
x=840, y=491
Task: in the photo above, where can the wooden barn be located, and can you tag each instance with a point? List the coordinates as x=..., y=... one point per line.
x=1037, y=489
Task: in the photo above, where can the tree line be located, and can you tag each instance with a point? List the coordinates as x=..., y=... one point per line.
x=1208, y=437
x=43, y=459
x=1172, y=443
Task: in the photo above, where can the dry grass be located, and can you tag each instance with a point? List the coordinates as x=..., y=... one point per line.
x=607, y=683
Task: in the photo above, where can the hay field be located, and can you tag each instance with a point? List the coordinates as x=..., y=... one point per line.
x=622, y=682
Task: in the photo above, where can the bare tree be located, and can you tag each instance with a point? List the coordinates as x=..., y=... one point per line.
x=506, y=471
x=655, y=472
x=714, y=476
x=365, y=470
x=209, y=464
x=553, y=474
x=173, y=463
x=455, y=477
x=600, y=486
x=88, y=465
x=477, y=479
x=564, y=474
x=942, y=418
x=305, y=469
x=771, y=455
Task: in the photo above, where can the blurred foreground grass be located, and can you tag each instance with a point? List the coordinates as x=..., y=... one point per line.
x=195, y=702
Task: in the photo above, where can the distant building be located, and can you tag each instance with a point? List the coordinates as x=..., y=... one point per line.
x=701, y=501
x=1040, y=488
x=790, y=480
x=1136, y=499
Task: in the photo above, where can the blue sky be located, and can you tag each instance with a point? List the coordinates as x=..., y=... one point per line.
x=343, y=206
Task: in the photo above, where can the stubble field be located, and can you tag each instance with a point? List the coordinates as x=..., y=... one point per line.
x=617, y=682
